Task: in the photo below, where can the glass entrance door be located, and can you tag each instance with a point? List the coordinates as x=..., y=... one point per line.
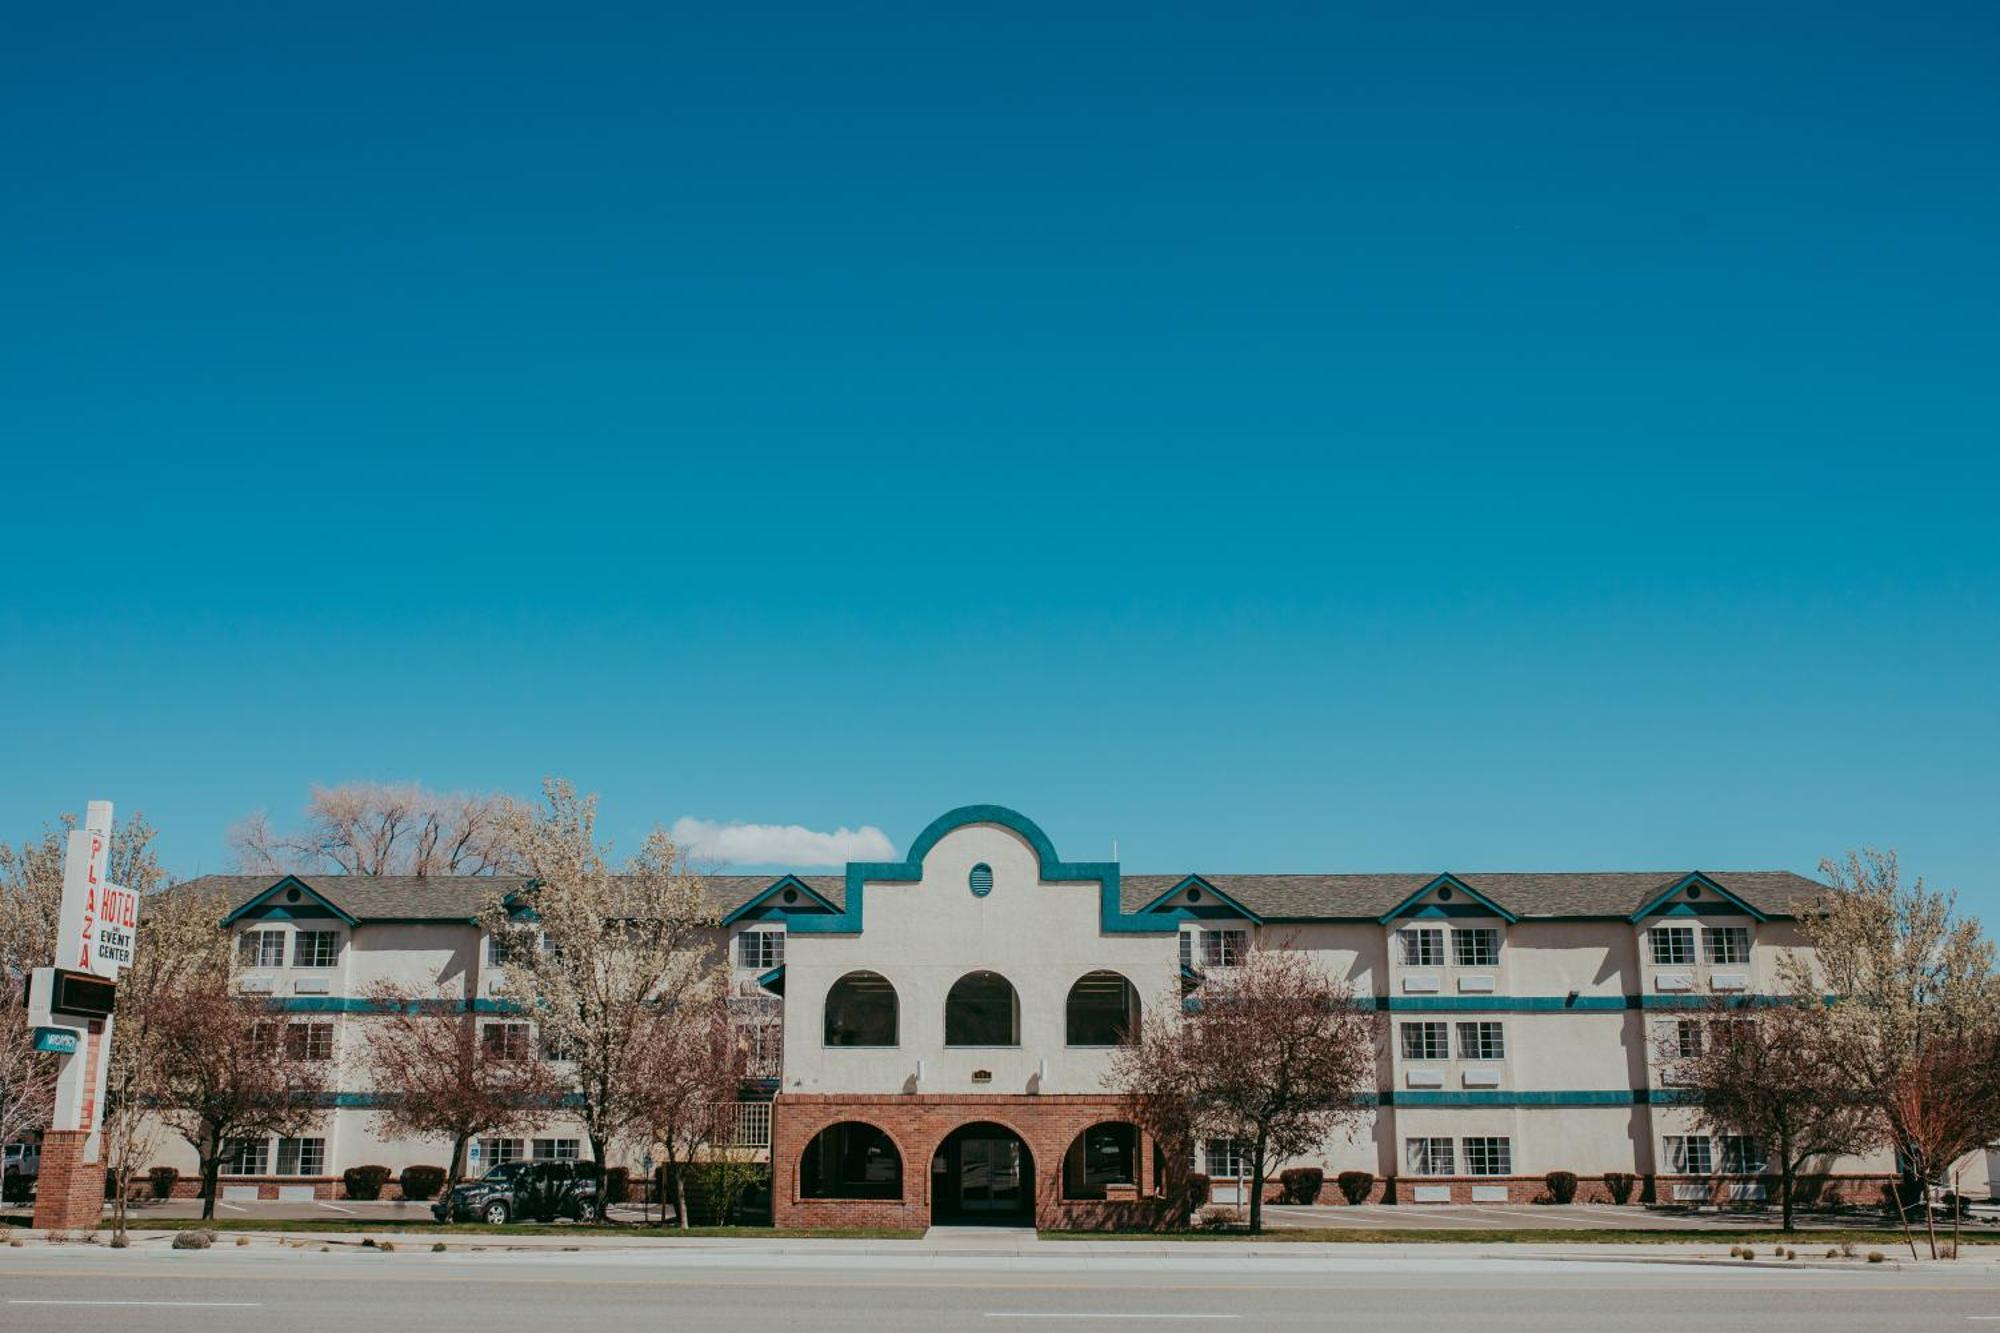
x=989, y=1175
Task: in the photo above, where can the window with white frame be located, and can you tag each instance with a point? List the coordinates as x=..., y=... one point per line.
x=499, y=951
x=1673, y=946
x=316, y=948
x=1481, y=1041
x=1476, y=947
x=266, y=1038
x=246, y=1157
x=1428, y=1157
x=309, y=1041
x=1742, y=1155
x=1690, y=1154
x=1224, y=948
x=760, y=950
x=556, y=1047
x=505, y=1041
x=555, y=1150
x=261, y=948
x=1224, y=1159
x=1489, y=1156
x=1727, y=944
x=1688, y=1038
x=1426, y=1041
x=1421, y=946
x=302, y=1157
x=492, y=1152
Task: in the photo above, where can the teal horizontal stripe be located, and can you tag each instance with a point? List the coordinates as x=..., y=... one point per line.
x=1413, y=1004
x=1514, y=1004
x=338, y=1004
x=1590, y=1097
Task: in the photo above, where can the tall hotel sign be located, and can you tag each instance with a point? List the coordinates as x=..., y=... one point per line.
x=70, y=1006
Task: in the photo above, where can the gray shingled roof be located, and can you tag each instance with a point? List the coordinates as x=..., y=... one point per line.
x=1329, y=897
x=459, y=897
x=1600, y=893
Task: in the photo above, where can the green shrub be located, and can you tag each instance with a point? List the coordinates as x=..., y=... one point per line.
x=364, y=1182
x=1619, y=1185
x=163, y=1179
x=422, y=1182
x=1562, y=1186
x=14, y=1187
x=1355, y=1186
x=1302, y=1184
x=1196, y=1191
x=618, y=1185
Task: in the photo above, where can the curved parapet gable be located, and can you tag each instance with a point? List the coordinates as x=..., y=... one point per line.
x=1053, y=869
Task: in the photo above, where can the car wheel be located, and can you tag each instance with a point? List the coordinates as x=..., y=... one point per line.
x=586, y=1210
x=495, y=1213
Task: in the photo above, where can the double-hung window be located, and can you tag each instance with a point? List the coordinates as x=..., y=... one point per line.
x=1224, y=1159
x=1224, y=948
x=246, y=1157
x=555, y=1150
x=1690, y=1154
x=302, y=1157
x=1673, y=946
x=309, y=1041
x=1489, y=1156
x=1688, y=1038
x=1476, y=947
x=1426, y=1041
x=1428, y=1157
x=262, y=948
x=1742, y=1155
x=1422, y=946
x=1727, y=944
x=760, y=950
x=499, y=951
x=492, y=1152
x=504, y=1041
x=1481, y=1041
x=316, y=948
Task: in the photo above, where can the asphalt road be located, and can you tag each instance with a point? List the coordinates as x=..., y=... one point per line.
x=266, y=1287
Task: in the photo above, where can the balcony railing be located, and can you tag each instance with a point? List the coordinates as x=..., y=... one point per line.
x=742, y=1125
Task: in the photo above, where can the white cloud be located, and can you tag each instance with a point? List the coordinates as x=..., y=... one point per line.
x=779, y=844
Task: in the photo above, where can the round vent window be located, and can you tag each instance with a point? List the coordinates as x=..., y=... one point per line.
x=791, y=895
x=1694, y=890
x=291, y=895
x=981, y=880
x=1194, y=895
x=1444, y=894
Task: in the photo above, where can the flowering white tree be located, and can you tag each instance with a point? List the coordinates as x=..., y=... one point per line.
x=377, y=828
x=591, y=952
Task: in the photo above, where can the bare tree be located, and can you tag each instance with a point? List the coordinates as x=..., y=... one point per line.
x=230, y=1071
x=688, y=1064
x=1760, y=1074
x=440, y=1080
x=31, y=880
x=1275, y=1052
x=590, y=952
x=374, y=828
x=1913, y=1003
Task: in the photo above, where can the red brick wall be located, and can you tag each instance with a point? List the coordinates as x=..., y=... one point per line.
x=918, y=1124
x=69, y=1195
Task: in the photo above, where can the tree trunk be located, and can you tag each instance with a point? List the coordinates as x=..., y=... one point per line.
x=1257, y=1184
x=680, y=1196
x=456, y=1170
x=1787, y=1172
x=603, y=1184
x=211, y=1172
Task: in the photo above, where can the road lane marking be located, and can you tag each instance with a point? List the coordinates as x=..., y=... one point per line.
x=177, y=1305
x=331, y=1208
x=1083, y=1314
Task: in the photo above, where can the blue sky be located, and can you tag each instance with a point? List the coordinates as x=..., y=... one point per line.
x=1276, y=437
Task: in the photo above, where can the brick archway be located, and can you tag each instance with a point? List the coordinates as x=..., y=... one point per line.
x=1046, y=1125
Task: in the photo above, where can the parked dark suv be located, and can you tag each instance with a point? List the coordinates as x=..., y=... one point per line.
x=542, y=1191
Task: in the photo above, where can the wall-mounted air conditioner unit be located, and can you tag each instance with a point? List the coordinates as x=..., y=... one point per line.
x=1477, y=983
x=1422, y=983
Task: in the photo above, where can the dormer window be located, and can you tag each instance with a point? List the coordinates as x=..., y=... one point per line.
x=262, y=948
x=1727, y=944
x=1673, y=946
x=1422, y=946
x=316, y=948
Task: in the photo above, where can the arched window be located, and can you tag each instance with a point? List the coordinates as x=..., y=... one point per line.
x=861, y=1011
x=1106, y=1154
x=851, y=1160
x=1103, y=1010
x=982, y=1010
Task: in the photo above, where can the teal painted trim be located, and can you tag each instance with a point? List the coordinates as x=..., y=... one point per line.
x=365, y=1100
x=1111, y=915
x=1704, y=1001
x=1163, y=903
x=342, y=1004
x=300, y=912
x=762, y=900
x=1707, y=884
x=774, y=979
x=1455, y=883
x=1590, y=1097
x=1519, y=1004
x=287, y=882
